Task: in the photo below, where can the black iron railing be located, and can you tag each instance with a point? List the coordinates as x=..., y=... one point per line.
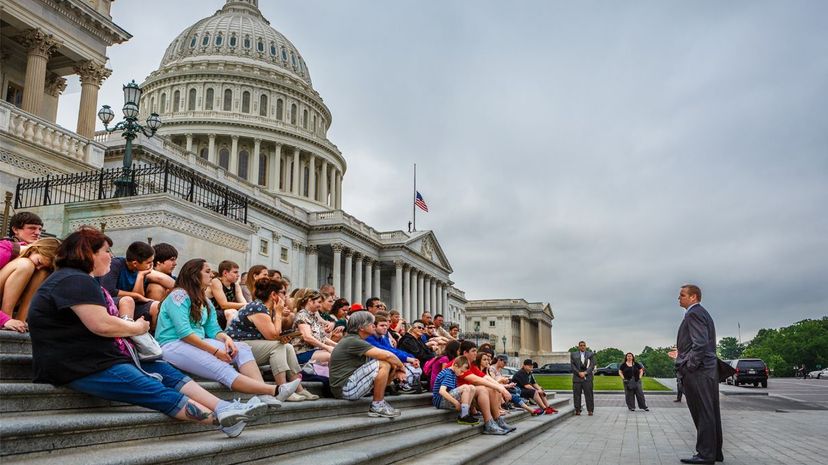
x=146, y=179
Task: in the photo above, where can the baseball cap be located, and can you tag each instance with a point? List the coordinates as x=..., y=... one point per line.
x=528, y=361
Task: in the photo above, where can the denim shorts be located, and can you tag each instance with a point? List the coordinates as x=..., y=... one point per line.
x=125, y=383
x=305, y=356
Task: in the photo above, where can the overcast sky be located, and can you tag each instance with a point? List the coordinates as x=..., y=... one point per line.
x=594, y=155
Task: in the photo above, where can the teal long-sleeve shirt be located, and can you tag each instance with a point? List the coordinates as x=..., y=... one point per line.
x=174, y=322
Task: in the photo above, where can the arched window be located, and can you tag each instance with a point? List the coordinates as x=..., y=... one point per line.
x=280, y=110
x=176, y=100
x=232, y=42
x=228, y=100
x=246, y=102
x=305, y=119
x=163, y=103
x=219, y=39
x=293, y=59
x=152, y=104
x=193, y=42
x=205, y=41
x=208, y=100
x=204, y=153
x=246, y=43
x=224, y=158
x=263, y=105
x=272, y=49
x=260, y=46
x=244, y=156
x=262, y=170
x=284, y=54
x=191, y=103
x=293, y=113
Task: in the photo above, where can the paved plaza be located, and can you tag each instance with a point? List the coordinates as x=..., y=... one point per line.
x=760, y=429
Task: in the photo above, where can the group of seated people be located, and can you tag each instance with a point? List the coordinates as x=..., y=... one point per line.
x=83, y=308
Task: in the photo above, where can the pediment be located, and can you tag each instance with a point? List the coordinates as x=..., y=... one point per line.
x=425, y=244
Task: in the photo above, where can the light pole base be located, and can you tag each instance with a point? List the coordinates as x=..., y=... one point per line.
x=124, y=188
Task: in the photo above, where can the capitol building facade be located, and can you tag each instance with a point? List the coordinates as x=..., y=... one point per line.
x=241, y=169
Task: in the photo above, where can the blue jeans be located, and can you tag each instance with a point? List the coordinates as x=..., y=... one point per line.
x=125, y=383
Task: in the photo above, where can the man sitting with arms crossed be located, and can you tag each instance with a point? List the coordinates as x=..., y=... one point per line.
x=357, y=367
x=409, y=380
x=447, y=395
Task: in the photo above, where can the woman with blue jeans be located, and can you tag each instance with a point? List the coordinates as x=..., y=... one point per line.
x=79, y=341
x=193, y=341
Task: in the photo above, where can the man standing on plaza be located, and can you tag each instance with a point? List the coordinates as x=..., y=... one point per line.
x=583, y=365
x=697, y=366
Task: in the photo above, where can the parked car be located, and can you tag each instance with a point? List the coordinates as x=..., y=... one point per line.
x=609, y=370
x=553, y=369
x=819, y=374
x=749, y=371
x=508, y=371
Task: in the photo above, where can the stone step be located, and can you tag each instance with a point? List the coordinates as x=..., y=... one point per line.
x=12, y=342
x=258, y=442
x=405, y=446
x=15, y=367
x=482, y=448
x=51, y=430
x=30, y=397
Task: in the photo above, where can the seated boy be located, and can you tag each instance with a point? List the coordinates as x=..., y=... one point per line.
x=164, y=261
x=448, y=395
x=488, y=393
x=529, y=389
x=227, y=293
x=408, y=379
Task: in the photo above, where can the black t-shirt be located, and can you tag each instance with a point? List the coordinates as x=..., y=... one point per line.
x=522, y=378
x=631, y=372
x=63, y=348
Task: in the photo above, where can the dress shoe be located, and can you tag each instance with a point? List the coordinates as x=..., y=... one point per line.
x=720, y=458
x=577, y=412
x=696, y=459
x=590, y=413
x=676, y=400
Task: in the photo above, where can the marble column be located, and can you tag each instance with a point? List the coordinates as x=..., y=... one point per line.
x=55, y=86
x=377, y=281
x=406, y=303
x=348, y=286
x=369, y=272
x=211, y=148
x=358, y=296
x=275, y=168
x=398, y=277
x=91, y=76
x=434, y=296
x=39, y=47
x=253, y=168
x=338, y=190
x=337, y=267
x=323, y=195
x=412, y=285
x=312, y=178
x=524, y=337
x=312, y=268
x=420, y=295
x=234, y=155
x=294, y=185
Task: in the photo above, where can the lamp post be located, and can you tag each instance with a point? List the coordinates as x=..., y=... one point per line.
x=124, y=186
x=504, y=343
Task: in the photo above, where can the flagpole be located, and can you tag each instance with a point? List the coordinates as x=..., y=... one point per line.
x=414, y=200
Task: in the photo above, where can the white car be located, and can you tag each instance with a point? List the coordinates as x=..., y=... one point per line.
x=819, y=374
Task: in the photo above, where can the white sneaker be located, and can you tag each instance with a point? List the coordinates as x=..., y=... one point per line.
x=233, y=431
x=272, y=402
x=308, y=395
x=296, y=398
x=287, y=389
x=237, y=412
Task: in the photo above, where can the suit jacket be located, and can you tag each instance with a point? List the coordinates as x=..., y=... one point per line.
x=696, y=344
x=588, y=366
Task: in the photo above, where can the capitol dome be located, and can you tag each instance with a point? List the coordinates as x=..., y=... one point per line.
x=236, y=93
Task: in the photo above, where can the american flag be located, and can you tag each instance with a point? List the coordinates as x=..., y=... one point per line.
x=418, y=201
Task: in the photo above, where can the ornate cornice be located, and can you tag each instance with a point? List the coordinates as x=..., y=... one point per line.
x=28, y=164
x=55, y=85
x=93, y=73
x=312, y=249
x=39, y=43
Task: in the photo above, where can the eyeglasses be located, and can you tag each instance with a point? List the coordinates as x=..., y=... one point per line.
x=418, y=327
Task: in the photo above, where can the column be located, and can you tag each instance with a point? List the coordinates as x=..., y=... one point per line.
x=420, y=295
x=253, y=168
x=377, y=281
x=406, y=292
x=337, y=267
x=302, y=181
x=91, y=76
x=348, y=287
x=39, y=46
x=369, y=271
x=323, y=195
x=234, y=155
x=211, y=148
x=312, y=268
x=358, y=297
x=312, y=178
x=413, y=287
x=445, y=305
x=398, y=277
x=294, y=185
x=339, y=190
x=275, y=162
x=189, y=142
x=55, y=86
x=433, y=296
x=524, y=337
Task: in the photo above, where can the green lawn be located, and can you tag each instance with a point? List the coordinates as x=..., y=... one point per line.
x=601, y=383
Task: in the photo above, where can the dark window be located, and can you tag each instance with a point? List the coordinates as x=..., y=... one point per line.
x=246, y=42
x=243, y=162
x=14, y=94
x=176, y=100
x=228, y=100
x=224, y=158
x=260, y=46
x=193, y=42
x=284, y=54
x=263, y=105
x=233, y=40
x=205, y=41
x=246, y=102
x=280, y=110
x=208, y=100
x=272, y=49
x=163, y=103
x=262, y=170
x=204, y=153
x=191, y=104
x=219, y=40
x=305, y=119
x=293, y=113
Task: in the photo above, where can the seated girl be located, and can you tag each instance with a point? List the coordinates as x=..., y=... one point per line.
x=259, y=325
x=311, y=342
x=21, y=277
x=192, y=340
x=79, y=341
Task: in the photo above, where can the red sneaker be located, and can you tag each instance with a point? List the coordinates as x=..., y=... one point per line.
x=537, y=412
x=550, y=411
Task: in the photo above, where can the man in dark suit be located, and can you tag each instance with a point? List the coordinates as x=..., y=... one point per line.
x=583, y=365
x=697, y=366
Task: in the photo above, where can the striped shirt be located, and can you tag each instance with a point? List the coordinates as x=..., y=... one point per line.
x=445, y=378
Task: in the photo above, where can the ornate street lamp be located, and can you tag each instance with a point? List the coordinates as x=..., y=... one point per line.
x=504, y=343
x=130, y=126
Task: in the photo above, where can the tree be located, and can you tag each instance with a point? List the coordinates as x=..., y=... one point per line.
x=729, y=348
x=609, y=355
x=656, y=362
x=804, y=342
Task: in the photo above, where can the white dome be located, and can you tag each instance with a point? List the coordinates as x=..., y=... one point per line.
x=238, y=30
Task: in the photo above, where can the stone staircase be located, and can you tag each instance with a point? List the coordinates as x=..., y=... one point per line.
x=41, y=424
